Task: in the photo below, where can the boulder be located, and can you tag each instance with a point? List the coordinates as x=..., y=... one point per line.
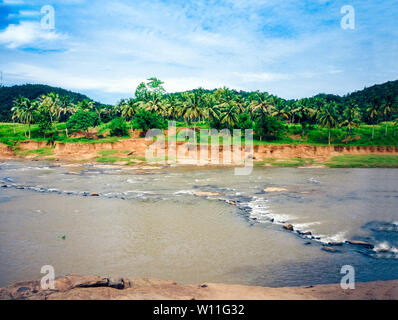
x=328, y=249
x=207, y=194
x=361, y=243
x=335, y=243
x=274, y=189
x=288, y=227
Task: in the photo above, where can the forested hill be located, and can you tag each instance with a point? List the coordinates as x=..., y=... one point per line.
x=377, y=93
x=31, y=91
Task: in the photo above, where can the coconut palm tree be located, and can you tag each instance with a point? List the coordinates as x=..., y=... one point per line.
x=328, y=118
x=50, y=103
x=18, y=105
x=27, y=112
x=193, y=107
x=279, y=110
x=262, y=103
x=128, y=108
x=386, y=109
x=373, y=115
x=351, y=118
x=153, y=103
x=229, y=115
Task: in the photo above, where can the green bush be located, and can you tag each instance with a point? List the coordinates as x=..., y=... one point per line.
x=118, y=127
x=82, y=120
x=269, y=128
x=145, y=121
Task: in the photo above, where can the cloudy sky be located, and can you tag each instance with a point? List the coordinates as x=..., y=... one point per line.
x=292, y=48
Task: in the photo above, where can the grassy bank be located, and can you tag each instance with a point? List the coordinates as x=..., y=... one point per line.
x=364, y=161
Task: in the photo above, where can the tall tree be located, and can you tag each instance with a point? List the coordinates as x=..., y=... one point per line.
x=328, y=118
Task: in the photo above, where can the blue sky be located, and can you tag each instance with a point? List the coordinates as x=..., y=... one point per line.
x=292, y=48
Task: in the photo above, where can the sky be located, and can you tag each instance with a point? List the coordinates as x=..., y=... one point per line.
x=291, y=48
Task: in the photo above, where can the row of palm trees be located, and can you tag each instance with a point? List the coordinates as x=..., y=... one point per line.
x=225, y=106
x=24, y=109
x=222, y=107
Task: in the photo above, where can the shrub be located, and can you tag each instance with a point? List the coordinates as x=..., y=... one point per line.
x=269, y=128
x=82, y=120
x=118, y=127
x=145, y=121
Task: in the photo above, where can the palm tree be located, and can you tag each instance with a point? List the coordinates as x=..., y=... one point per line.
x=280, y=110
x=172, y=105
x=50, y=103
x=85, y=105
x=193, y=107
x=262, y=103
x=328, y=118
x=29, y=107
x=128, y=108
x=229, y=115
x=16, y=110
x=387, y=109
x=302, y=112
x=351, y=118
x=153, y=103
x=373, y=114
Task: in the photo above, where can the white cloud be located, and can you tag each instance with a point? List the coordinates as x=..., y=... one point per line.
x=27, y=33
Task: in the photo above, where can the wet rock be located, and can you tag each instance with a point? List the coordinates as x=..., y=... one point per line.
x=207, y=194
x=94, y=194
x=335, y=243
x=4, y=186
x=308, y=243
x=361, y=243
x=274, y=189
x=328, y=249
x=306, y=233
x=288, y=227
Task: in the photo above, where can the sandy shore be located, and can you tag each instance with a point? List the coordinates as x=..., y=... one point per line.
x=77, y=287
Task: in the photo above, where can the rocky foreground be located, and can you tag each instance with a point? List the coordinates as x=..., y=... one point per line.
x=77, y=287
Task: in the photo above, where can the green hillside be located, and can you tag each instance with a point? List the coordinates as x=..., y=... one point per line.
x=30, y=91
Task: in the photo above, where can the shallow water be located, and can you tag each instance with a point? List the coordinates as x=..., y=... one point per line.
x=149, y=223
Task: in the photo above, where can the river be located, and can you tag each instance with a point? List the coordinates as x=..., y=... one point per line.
x=148, y=222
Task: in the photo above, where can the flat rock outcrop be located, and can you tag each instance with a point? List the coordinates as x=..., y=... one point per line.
x=78, y=287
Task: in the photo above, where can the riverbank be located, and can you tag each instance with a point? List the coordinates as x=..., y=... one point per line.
x=133, y=151
x=77, y=287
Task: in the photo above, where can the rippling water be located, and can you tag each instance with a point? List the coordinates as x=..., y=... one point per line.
x=147, y=222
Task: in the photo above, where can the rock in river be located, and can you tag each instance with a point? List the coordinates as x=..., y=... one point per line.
x=207, y=194
x=288, y=227
x=361, y=243
x=274, y=189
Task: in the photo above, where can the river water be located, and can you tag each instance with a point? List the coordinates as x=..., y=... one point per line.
x=148, y=222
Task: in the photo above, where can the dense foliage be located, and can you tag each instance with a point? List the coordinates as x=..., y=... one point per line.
x=30, y=91
x=271, y=117
x=118, y=127
x=82, y=120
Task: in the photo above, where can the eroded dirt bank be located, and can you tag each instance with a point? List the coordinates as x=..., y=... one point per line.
x=76, y=287
x=137, y=148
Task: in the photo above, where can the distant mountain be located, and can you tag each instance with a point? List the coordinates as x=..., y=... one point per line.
x=31, y=91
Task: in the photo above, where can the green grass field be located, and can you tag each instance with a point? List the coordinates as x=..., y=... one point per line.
x=364, y=161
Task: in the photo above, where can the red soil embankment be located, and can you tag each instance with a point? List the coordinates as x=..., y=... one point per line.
x=317, y=152
x=138, y=147
x=5, y=152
